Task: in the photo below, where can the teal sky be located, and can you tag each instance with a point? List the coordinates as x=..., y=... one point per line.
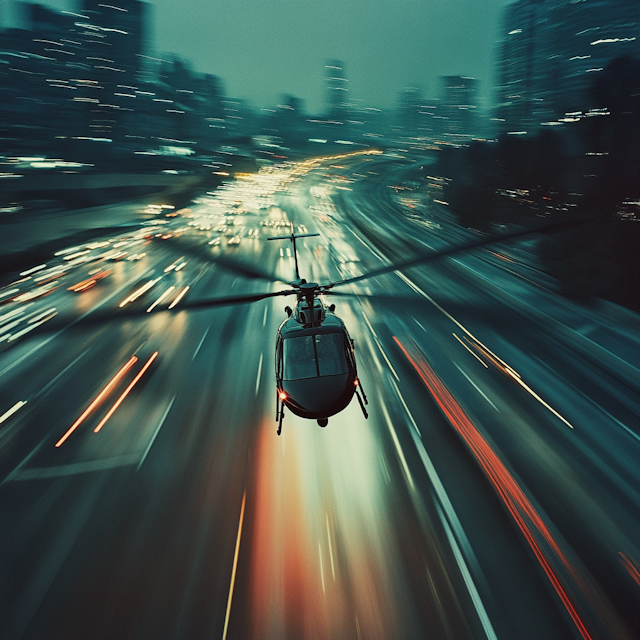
x=265, y=48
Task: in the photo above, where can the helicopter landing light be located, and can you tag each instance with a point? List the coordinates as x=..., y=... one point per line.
x=282, y=395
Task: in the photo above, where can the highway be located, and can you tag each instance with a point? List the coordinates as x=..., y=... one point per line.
x=492, y=493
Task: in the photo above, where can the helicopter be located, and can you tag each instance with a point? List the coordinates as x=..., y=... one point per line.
x=316, y=373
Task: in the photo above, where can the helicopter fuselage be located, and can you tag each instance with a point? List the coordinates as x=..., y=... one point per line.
x=316, y=374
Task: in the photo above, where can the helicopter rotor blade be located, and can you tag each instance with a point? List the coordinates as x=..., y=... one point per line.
x=376, y=297
x=232, y=300
x=234, y=265
x=468, y=246
x=104, y=317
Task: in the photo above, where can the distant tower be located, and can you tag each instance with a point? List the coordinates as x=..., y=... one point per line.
x=458, y=107
x=336, y=85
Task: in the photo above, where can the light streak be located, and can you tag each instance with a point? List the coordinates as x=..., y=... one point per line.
x=112, y=383
x=235, y=567
x=136, y=294
x=10, y=292
x=160, y=299
x=333, y=568
x=178, y=298
x=125, y=393
x=484, y=364
x=523, y=512
x=7, y=414
x=15, y=336
x=30, y=271
x=83, y=286
x=321, y=567
x=631, y=566
x=259, y=374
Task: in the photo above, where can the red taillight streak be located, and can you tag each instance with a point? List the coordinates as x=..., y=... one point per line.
x=631, y=566
x=112, y=383
x=504, y=483
x=125, y=393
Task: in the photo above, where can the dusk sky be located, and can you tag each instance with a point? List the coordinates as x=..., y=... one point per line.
x=262, y=49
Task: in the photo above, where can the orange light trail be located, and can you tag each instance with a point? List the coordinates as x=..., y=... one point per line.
x=83, y=286
x=235, y=567
x=112, y=383
x=125, y=393
x=523, y=512
x=178, y=298
x=631, y=566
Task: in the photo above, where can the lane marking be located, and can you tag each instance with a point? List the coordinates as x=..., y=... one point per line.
x=468, y=580
x=259, y=373
x=404, y=404
x=475, y=355
x=235, y=567
x=155, y=433
x=40, y=473
x=477, y=388
x=199, y=345
x=384, y=355
x=50, y=385
x=7, y=414
x=396, y=442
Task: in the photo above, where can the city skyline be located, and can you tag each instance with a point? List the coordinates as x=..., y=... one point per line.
x=264, y=51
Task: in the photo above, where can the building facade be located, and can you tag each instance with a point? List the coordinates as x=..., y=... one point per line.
x=551, y=50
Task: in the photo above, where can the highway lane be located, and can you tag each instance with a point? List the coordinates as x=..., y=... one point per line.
x=186, y=516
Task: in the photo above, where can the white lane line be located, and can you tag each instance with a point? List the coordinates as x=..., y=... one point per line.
x=484, y=364
x=468, y=580
x=7, y=414
x=259, y=373
x=235, y=567
x=384, y=355
x=193, y=357
x=477, y=388
x=155, y=433
x=51, y=384
x=396, y=442
x=76, y=468
x=404, y=404
x=458, y=539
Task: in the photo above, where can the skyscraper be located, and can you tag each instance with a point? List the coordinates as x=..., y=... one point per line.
x=458, y=108
x=552, y=49
x=336, y=90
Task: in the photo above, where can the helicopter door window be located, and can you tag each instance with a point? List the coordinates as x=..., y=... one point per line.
x=299, y=358
x=331, y=354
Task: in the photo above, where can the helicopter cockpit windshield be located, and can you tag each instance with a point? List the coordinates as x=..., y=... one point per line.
x=313, y=356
